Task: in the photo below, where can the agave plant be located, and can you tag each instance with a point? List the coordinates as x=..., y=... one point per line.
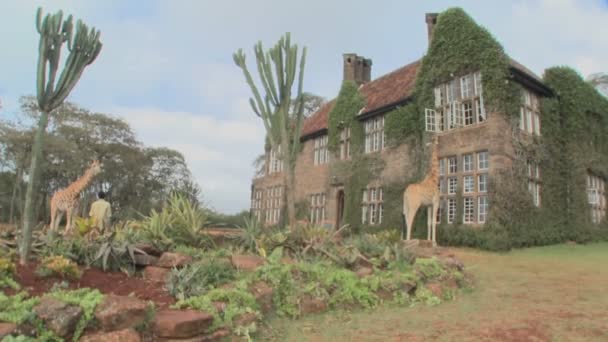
x=249, y=236
x=115, y=253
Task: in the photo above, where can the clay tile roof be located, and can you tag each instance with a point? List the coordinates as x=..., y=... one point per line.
x=388, y=89
x=395, y=86
x=318, y=120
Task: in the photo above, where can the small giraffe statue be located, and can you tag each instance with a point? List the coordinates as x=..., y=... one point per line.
x=66, y=200
x=424, y=193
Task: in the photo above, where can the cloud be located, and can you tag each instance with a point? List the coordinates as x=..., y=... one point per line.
x=219, y=152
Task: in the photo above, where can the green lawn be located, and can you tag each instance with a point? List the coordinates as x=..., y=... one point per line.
x=556, y=293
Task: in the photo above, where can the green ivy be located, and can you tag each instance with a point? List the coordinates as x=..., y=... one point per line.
x=344, y=115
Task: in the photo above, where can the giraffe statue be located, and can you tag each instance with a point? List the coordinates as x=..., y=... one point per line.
x=66, y=200
x=424, y=193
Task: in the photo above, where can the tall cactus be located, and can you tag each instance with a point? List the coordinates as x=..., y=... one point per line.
x=277, y=73
x=84, y=46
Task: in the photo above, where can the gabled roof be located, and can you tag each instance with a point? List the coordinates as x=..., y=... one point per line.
x=396, y=87
x=386, y=90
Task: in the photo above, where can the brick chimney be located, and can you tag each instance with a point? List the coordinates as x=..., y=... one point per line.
x=357, y=68
x=431, y=20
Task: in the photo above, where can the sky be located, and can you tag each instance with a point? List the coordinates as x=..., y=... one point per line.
x=166, y=66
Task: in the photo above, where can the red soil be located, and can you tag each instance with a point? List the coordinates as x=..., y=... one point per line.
x=117, y=283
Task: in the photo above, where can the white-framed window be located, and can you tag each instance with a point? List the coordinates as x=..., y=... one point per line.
x=482, y=182
x=345, y=143
x=482, y=209
x=452, y=185
x=374, y=134
x=468, y=184
x=534, y=184
x=483, y=161
x=596, y=196
x=256, y=204
x=467, y=162
x=317, y=208
x=469, y=210
x=473, y=174
x=451, y=209
x=529, y=112
x=442, y=167
x=452, y=165
x=372, y=206
x=273, y=204
x=276, y=162
x=321, y=153
x=459, y=102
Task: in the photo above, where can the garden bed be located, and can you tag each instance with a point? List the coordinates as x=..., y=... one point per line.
x=117, y=283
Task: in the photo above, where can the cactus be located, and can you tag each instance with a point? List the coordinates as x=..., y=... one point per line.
x=84, y=47
x=277, y=72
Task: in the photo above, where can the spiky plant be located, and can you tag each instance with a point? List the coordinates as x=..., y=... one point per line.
x=83, y=46
x=277, y=72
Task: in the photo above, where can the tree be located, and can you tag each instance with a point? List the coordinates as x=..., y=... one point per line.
x=600, y=82
x=84, y=47
x=277, y=72
x=312, y=103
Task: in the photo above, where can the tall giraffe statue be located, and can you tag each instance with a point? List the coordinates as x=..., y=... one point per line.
x=66, y=200
x=424, y=193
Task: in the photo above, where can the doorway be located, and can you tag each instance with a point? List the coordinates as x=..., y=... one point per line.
x=339, y=209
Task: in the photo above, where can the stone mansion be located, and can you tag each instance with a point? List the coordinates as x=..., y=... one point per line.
x=474, y=144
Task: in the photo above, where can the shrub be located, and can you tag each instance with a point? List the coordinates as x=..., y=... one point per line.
x=197, y=278
x=7, y=269
x=238, y=301
x=58, y=266
x=114, y=251
x=53, y=244
x=250, y=234
x=18, y=308
x=180, y=222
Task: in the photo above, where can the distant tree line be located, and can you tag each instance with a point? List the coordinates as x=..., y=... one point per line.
x=137, y=178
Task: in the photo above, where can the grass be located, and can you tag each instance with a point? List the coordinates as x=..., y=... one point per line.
x=555, y=293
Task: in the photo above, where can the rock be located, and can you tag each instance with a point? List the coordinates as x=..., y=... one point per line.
x=452, y=262
x=148, y=249
x=263, y=295
x=217, y=335
x=120, y=312
x=145, y=260
x=170, y=260
x=156, y=274
x=247, y=262
x=58, y=316
x=409, y=287
x=7, y=329
x=125, y=335
x=310, y=305
x=363, y=272
x=436, y=289
x=181, y=323
x=244, y=319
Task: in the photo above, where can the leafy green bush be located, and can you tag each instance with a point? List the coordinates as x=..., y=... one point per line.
x=74, y=248
x=197, y=278
x=18, y=308
x=7, y=269
x=239, y=301
x=87, y=299
x=114, y=251
x=58, y=265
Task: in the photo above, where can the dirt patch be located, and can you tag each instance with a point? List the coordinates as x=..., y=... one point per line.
x=117, y=283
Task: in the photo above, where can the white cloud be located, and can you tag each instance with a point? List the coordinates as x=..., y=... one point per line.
x=218, y=152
